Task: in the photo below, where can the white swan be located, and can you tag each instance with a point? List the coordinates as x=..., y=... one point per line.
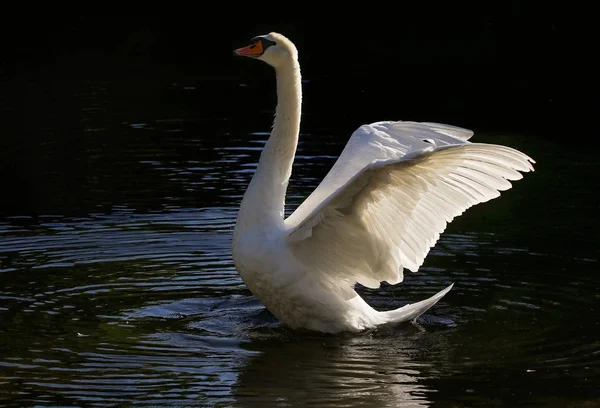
x=380, y=209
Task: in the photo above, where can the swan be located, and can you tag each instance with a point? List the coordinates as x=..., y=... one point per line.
x=381, y=207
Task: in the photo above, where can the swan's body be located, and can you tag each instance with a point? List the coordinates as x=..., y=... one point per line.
x=380, y=209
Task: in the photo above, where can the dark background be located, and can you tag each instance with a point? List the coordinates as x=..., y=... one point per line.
x=518, y=68
x=511, y=64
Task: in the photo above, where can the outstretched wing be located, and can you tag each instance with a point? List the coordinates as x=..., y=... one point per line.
x=391, y=193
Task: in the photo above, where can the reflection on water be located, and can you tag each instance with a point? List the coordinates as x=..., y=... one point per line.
x=117, y=285
x=374, y=369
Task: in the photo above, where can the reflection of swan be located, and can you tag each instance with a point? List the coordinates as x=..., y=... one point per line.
x=380, y=209
x=341, y=371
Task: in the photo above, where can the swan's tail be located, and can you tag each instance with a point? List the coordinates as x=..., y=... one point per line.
x=414, y=310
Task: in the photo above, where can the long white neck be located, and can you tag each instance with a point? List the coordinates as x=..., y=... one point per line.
x=264, y=200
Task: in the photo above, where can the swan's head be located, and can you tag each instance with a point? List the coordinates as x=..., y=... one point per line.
x=273, y=48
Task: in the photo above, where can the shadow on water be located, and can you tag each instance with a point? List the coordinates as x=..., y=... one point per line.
x=117, y=285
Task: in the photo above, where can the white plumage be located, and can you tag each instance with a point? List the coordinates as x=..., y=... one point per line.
x=380, y=209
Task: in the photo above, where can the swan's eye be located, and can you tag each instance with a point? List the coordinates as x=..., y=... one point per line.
x=267, y=43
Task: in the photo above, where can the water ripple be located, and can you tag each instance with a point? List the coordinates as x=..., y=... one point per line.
x=137, y=302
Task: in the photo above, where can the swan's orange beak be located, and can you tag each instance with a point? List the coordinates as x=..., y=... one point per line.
x=253, y=50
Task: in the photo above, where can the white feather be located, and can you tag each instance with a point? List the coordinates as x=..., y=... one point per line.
x=380, y=209
x=402, y=206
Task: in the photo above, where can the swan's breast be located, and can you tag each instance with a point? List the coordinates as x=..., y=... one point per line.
x=272, y=274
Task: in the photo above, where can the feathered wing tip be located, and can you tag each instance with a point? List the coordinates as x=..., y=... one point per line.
x=414, y=310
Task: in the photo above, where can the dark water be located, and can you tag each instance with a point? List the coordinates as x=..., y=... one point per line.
x=117, y=286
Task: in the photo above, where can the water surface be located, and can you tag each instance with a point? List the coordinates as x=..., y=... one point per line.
x=117, y=286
